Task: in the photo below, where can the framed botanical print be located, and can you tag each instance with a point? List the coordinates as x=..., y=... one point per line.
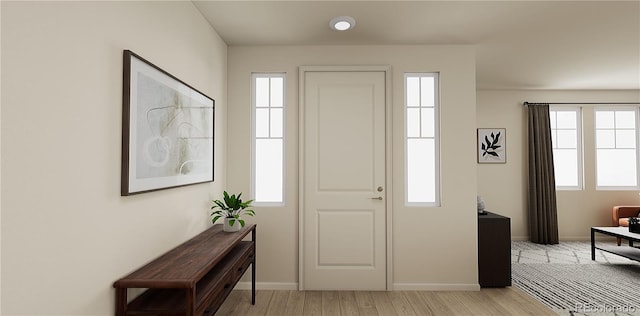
x=492, y=145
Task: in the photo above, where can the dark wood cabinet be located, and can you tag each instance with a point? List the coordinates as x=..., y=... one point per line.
x=192, y=279
x=494, y=250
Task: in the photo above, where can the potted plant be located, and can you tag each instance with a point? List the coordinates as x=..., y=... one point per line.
x=231, y=209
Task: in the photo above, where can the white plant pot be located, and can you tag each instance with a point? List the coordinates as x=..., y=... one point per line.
x=228, y=228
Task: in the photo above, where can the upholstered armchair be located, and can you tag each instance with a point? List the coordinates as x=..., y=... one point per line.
x=621, y=216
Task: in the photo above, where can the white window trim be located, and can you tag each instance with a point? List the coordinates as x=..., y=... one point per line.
x=580, y=149
x=436, y=114
x=637, y=115
x=254, y=76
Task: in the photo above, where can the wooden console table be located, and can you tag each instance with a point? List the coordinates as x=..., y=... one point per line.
x=192, y=279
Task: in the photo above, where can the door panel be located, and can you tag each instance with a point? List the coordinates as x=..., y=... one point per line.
x=344, y=137
x=336, y=226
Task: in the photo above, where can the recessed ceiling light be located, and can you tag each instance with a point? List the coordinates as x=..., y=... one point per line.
x=342, y=23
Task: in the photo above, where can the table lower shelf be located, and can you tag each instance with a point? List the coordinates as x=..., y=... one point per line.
x=211, y=290
x=623, y=251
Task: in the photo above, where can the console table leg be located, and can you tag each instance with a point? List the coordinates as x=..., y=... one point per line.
x=593, y=244
x=121, y=301
x=191, y=302
x=253, y=269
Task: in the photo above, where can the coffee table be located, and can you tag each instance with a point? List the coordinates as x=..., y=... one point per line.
x=629, y=252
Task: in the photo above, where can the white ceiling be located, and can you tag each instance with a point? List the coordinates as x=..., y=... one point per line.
x=519, y=44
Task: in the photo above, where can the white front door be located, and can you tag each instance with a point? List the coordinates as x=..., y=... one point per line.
x=343, y=196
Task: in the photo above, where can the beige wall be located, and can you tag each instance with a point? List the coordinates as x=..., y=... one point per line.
x=433, y=248
x=504, y=186
x=67, y=235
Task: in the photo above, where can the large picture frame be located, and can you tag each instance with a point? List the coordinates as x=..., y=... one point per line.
x=492, y=145
x=167, y=130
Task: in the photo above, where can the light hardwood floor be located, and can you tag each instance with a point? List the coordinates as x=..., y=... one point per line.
x=499, y=302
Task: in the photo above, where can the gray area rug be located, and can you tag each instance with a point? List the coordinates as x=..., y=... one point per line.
x=564, y=278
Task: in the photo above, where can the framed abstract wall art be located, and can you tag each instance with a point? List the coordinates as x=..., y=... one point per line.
x=492, y=145
x=167, y=130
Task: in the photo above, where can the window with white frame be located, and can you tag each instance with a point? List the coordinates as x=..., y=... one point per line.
x=422, y=184
x=566, y=125
x=616, y=148
x=268, y=138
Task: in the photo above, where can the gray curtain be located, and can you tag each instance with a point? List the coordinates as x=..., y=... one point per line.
x=543, y=212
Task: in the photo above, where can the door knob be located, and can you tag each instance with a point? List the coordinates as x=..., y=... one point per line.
x=380, y=189
x=377, y=198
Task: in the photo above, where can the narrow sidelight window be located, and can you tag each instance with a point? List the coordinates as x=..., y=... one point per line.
x=268, y=138
x=422, y=183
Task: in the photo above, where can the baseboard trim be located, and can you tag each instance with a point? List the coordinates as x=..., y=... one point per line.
x=435, y=287
x=267, y=286
x=276, y=286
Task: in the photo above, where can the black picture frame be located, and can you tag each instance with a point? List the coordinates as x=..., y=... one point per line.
x=167, y=130
x=492, y=145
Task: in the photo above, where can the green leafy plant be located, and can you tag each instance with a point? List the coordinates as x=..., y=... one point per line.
x=490, y=146
x=231, y=207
